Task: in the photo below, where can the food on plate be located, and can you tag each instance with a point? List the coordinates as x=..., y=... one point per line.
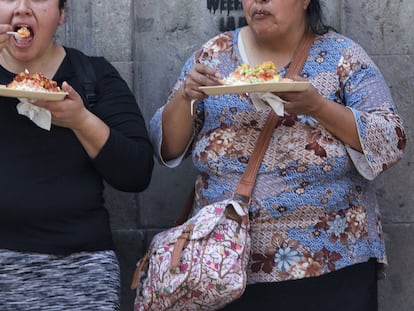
x=33, y=82
x=24, y=31
x=245, y=74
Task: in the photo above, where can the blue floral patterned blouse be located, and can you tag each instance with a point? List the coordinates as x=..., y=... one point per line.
x=313, y=210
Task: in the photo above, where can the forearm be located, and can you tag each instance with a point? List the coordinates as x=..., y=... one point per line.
x=125, y=163
x=177, y=123
x=340, y=121
x=93, y=134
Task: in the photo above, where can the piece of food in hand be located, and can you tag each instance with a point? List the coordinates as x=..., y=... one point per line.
x=24, y=31
x=244, y=74
x=33, y=82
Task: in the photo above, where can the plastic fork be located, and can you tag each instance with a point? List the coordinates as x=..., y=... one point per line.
x=16, y=34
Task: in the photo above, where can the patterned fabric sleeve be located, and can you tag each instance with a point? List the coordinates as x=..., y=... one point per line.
x=380, y=129
x=155, y=125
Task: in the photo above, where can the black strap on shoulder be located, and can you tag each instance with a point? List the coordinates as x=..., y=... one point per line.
x=86, y=75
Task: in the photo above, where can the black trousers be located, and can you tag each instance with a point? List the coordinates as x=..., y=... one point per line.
x=350, y=289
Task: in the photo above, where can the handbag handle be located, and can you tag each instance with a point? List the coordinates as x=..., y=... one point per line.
x=246, y=184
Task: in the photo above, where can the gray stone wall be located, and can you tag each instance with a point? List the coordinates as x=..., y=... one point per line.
x=148, y=42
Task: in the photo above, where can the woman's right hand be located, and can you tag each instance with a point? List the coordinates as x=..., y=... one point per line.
x=176, y=118
x=3, y=35
x=199, y=75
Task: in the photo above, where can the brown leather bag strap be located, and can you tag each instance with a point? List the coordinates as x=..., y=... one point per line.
x=246, y=184
x=301, y=55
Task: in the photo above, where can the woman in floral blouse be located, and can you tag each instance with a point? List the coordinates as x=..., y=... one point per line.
x=316, y=231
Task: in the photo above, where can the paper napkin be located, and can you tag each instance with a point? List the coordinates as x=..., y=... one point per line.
x=260, y=100
x=40, y=116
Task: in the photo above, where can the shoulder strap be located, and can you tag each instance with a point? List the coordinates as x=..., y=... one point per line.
x=301, y=55
x=86, y=75
x=246, y=184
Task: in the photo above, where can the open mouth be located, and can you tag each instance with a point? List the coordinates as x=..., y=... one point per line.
x=261, y=13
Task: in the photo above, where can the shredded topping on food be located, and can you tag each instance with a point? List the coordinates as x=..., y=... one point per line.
x=244, y=74
x=33, y=82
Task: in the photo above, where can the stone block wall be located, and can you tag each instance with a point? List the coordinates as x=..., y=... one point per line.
x=148, y=41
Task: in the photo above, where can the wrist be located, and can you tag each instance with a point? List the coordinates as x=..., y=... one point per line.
x=184, y=93
x=321, y=110
x=188, y=99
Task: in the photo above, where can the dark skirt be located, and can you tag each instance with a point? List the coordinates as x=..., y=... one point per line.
x=350, y=289
x=78, y=282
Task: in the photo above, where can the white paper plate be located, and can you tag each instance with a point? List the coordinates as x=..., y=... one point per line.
x=8, y=92
x=297, y=86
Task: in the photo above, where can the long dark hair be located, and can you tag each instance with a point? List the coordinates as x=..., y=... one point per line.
x=314, y=18
x=62, y=4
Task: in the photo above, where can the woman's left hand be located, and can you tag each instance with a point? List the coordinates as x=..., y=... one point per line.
x=336, y=118
x=308, y=102
x=70, y=112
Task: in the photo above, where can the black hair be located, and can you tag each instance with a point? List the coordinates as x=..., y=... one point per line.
x=314, y=18
x=62, y=4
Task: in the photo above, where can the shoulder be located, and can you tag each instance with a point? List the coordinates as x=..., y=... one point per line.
x=94, y=70
x=76, y=55
x=337, y=47
x=332, y=41
x=221, y=38
x=220, y=42
x=101, y=66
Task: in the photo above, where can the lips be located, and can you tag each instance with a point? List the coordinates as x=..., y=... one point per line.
x=261, y=13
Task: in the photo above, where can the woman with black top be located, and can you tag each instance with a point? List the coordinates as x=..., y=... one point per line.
x=56, y=249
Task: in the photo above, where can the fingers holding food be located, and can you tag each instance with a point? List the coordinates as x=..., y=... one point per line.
x=4, y=28
x=199, y=75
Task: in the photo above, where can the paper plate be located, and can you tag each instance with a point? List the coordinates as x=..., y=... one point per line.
x=297, y=86
x=8, y=92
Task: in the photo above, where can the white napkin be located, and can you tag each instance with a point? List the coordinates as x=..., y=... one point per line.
x=40, y=116
x=260, y=100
